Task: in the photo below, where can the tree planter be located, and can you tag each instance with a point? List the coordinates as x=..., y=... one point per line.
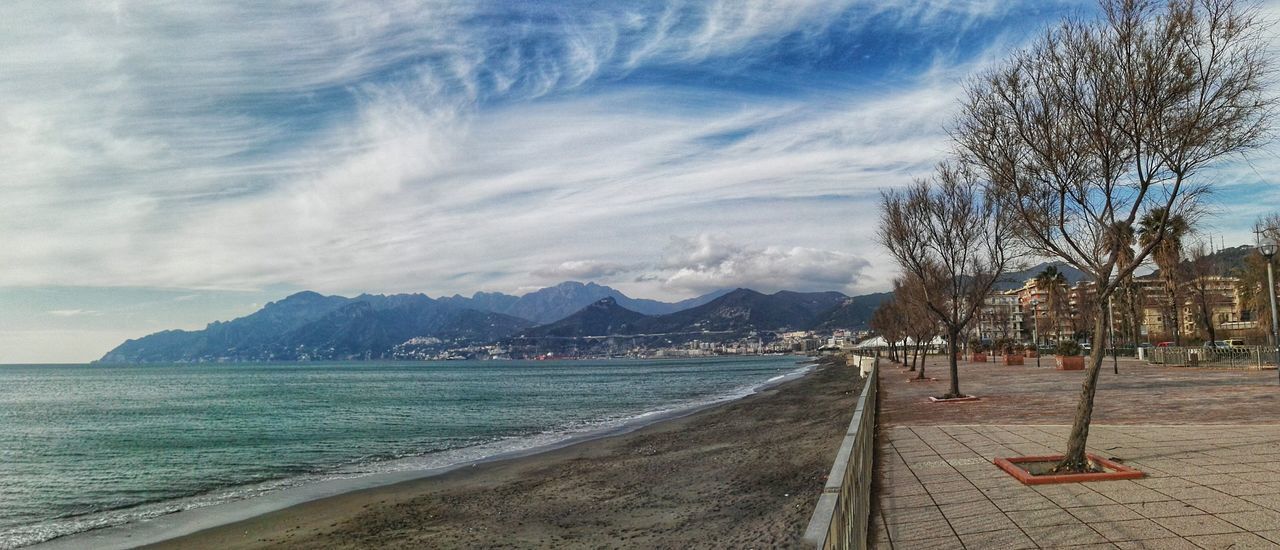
x=1070, y=362
x=1032, y=354
x=1013, y=359
x=979, y=358
x=918, y=379
x=1028, y=470
x=964, y=399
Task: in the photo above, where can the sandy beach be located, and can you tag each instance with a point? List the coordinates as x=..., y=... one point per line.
x=744, y=474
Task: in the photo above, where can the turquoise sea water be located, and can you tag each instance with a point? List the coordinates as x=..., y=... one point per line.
x=84, y=446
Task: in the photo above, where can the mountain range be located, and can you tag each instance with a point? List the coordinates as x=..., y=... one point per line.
x=308, y=325
x=557, y=302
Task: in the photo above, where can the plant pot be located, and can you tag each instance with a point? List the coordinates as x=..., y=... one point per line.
x=1012, y=359
x=1032, y=354
x=979, y=358
x=1070, y=362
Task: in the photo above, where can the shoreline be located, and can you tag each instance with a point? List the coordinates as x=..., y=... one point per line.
x=192, y=521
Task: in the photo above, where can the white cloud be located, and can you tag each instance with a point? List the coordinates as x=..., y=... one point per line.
x=706, y=263
x=445, y=147
x=72, y=312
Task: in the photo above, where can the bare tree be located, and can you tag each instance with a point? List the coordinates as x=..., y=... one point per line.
x=886, y=320
x=1099, y=122
x=945, y=233
x=920, y=325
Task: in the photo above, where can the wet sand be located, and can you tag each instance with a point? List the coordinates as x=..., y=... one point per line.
x=745, y=474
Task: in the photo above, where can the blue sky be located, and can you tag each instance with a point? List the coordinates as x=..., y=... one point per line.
x=169, y=163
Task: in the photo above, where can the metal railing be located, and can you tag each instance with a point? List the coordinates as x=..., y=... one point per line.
x=841, y=518
x=1242, y=357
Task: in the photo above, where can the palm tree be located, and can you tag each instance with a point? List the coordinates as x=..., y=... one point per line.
x=1054, y=284
x=1166, y=232
x=1120, y=238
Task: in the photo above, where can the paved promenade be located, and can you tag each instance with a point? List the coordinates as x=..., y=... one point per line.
x=1212, y=461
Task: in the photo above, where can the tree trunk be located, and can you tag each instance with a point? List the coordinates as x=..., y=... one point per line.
x=921, y=375
x=954, y=345
x=1075, y=460
x=1208, y=325
x=1177, y=323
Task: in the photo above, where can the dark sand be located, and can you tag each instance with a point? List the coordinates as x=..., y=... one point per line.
x=745, y=474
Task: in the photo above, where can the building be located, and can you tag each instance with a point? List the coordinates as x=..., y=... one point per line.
x=1000, y=317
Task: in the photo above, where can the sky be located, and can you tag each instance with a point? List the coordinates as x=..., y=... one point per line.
x=171, y=163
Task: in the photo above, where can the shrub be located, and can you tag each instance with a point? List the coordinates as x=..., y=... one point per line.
x=1067, y=348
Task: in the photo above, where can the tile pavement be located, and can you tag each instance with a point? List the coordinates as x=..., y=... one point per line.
x=1208, y=485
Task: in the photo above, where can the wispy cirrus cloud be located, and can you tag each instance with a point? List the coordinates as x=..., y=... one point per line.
x=412, y=145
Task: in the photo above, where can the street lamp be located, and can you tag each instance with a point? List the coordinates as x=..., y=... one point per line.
x=1111, y=336
x=1035, y=328
x=1267, y=246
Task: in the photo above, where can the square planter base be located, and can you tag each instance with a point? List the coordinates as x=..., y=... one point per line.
x=1070, y=363
x=1114, y=470
x=964, y=399
x=917, y=379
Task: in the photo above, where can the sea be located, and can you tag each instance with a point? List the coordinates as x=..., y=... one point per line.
x=85, y=447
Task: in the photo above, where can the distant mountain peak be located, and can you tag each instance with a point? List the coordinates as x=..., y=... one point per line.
x=305, y=295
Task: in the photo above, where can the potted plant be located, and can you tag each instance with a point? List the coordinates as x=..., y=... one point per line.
x=1069, y=358
x=1031, y=351
x=979, y=351
x=1012, y=355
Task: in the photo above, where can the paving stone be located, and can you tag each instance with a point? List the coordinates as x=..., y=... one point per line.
x=1135, y=494
x=1233, y=541
x=938, y=543
x=904, y=490
x=1174, y=543
x=1266, y=501
x=1007, y=539
x=910, y=515
x=957, y=497
x=1064, y=535
x=1253, y=521
x=974, y=508
x=1272, y=535
x=1108, y=512
x=910, y=501
x=1212, y=479
x=1023, y=502
x=980, y=523
x=1081, y=499
x=1186, y=493
x=1041, y=518
x=1186, y=526
x=1248, y=489
x=1134, y=529
x=1259, y=477
x=1165, y=509
x=906, y=532
x=1098, y=546
x=1159, y=483
x=1223, y=504
x=949, y=486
